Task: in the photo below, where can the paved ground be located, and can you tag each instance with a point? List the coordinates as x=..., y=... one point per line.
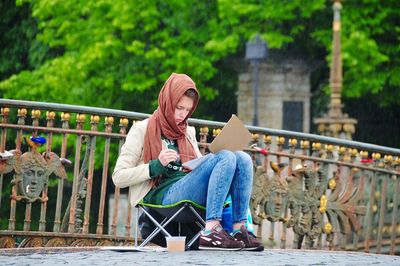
x=160, y=257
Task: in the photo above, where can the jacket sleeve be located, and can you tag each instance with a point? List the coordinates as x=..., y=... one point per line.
x=130, y=169
x=193, y=140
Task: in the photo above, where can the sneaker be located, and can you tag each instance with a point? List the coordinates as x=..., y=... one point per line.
x=250, y=241
x=219, y=239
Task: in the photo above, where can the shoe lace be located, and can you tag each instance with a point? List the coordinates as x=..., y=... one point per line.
x=225, y=232
x=246, y=236
x=251, y=234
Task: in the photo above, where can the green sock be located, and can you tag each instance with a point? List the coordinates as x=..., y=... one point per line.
x=235, y=231
x=206, y=232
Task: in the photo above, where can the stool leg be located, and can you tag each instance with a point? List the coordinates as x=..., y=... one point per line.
x=136, y=210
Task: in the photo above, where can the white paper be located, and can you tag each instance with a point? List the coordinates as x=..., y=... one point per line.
x=193, y=164
x=134, y=249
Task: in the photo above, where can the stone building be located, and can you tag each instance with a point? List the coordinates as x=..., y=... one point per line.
x=284, y=95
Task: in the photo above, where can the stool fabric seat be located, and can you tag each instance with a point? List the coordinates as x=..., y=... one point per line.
x=184, y=213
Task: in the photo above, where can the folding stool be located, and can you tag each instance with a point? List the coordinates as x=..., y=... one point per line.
x=185, y=211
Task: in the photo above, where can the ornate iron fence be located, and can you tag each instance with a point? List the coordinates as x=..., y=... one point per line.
x=309, y=191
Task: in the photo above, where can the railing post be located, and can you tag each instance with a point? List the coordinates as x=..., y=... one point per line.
x=123, y=124
x=267, y=143
x=94, y=120
x=371, y=205
x=57, y=218
x=395, y=217
x=203, y=138
x=383, y=203
x=3, y=136
x=108, y=129
x=28, y=207
x=80, y=119
x=13, y=202
x=50, y=116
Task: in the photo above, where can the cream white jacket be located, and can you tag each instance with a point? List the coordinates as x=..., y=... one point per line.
x=130, y=169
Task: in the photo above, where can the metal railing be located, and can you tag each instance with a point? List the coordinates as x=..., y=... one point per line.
x=309, y=191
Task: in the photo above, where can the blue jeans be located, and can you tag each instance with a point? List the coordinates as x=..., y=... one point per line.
x=210, y=183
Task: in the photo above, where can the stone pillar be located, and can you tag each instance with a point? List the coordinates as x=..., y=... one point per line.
x=284, y=87
x=335, y=123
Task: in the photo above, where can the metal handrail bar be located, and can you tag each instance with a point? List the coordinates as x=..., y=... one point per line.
x=63, y=130
x=198, y=122
x=71, y=108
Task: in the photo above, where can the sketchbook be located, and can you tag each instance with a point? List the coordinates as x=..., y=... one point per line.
x=234, y=136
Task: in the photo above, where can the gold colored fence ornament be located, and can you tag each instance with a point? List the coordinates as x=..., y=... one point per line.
x=304, y=194
x=269, y=198
x=32, y=170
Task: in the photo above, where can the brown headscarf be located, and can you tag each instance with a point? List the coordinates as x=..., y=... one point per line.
x=162, y=122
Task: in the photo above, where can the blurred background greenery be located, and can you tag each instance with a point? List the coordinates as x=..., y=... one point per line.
x=117, y=53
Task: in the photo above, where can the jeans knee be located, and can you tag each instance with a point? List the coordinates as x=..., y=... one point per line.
x=227, y=156
x=243, y=157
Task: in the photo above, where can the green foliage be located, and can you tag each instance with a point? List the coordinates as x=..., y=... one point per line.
x=115, y=53
x=16, y=35
x=111, y=49
x=119, y=52
x=238, y=21
x=370, y=49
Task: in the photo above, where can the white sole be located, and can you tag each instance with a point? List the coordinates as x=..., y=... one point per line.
x=254, y=249
x=222, y=249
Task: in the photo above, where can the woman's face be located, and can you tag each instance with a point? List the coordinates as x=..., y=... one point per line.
x=182, y=109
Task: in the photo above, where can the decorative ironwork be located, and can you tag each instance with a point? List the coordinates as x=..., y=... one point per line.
x=321, y=205
x=105, y=242
x=56, y=242
x=80, y=197
x=270, y=195
x=32, y=170
x=7, y=242
x=83, y=243
x=259, y=193
x=317, y=204
x=306, y=188
x=31, y=242
x=309, y=201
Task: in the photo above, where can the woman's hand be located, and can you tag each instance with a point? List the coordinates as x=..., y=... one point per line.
x=167, y=156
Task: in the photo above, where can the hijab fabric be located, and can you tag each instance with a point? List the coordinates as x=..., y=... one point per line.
x=162, y=121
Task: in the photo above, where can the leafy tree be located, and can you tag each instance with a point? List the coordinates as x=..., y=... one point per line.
x=17, y=35
x=115, y=53
x=111, y=49
x=370, y=49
